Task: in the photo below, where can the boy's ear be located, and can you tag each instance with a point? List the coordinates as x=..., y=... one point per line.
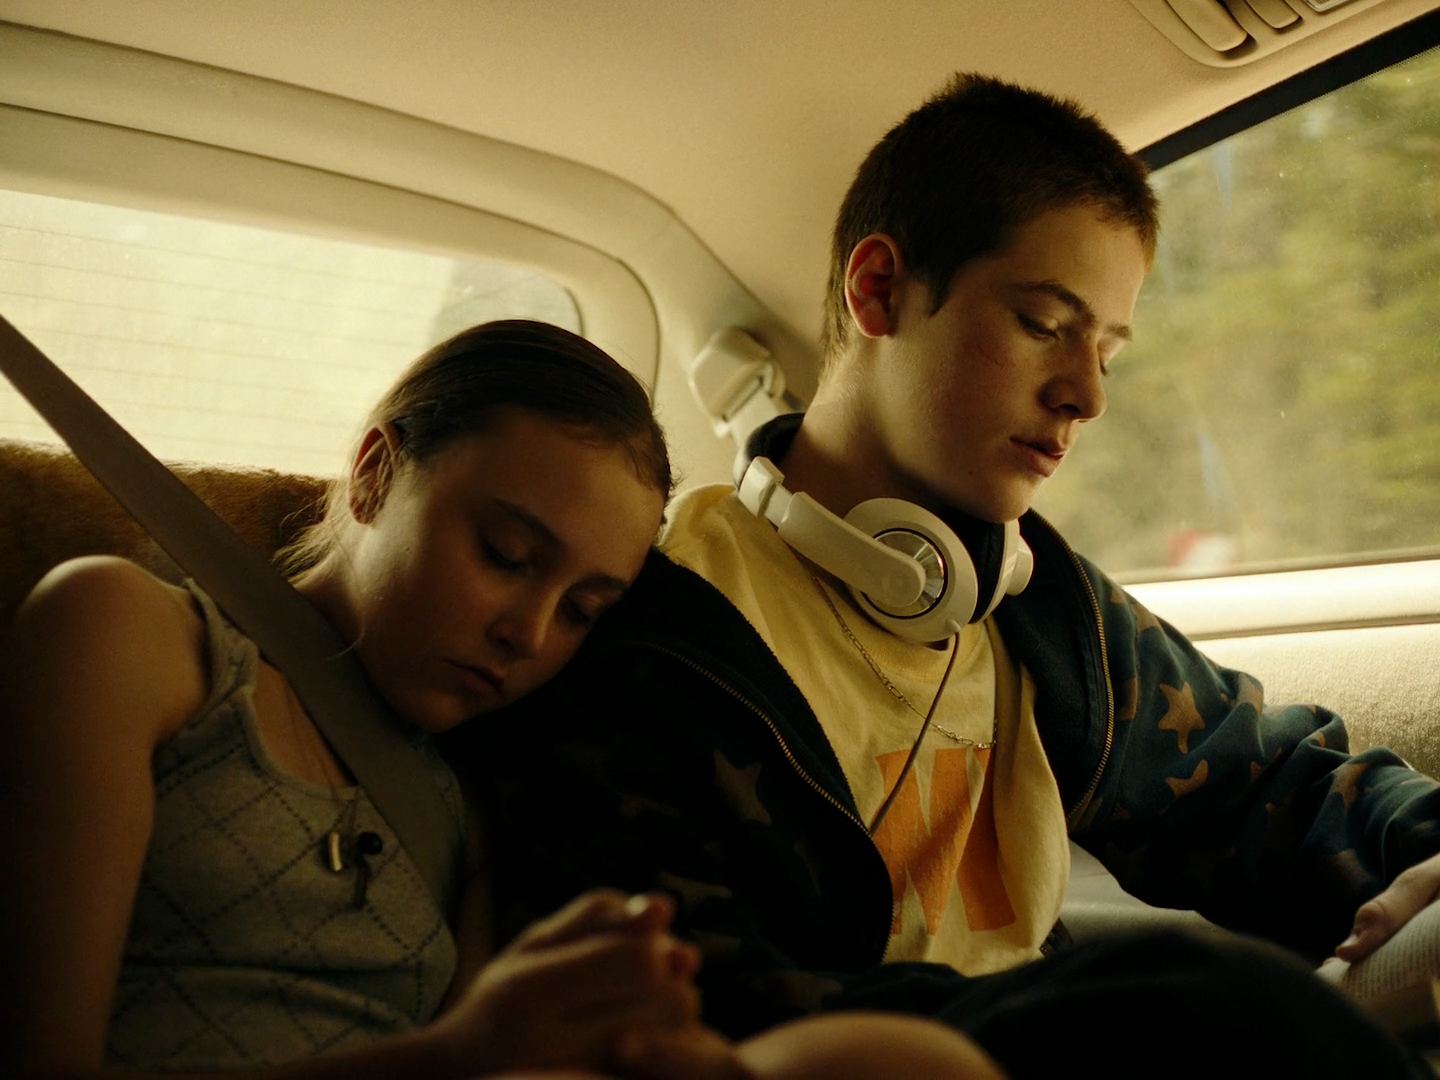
x=373, y=471
x=871, y=275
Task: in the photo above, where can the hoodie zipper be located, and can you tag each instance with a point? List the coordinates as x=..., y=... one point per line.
x=774, y=729
x=1073, y=815
x=815, y=785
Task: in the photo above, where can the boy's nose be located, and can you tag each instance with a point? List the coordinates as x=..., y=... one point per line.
x=1079, y=390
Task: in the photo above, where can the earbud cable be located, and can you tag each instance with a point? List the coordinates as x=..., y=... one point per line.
x=915, y=750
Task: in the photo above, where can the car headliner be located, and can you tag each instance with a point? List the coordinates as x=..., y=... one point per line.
x=747, y=119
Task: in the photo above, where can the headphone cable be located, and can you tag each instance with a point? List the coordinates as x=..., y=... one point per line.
x=915, y=750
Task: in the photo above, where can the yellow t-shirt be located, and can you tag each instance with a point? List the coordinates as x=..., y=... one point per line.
x=975, y=837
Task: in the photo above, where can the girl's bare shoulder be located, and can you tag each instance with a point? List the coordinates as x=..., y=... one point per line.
x=131, y=638
x=96, y=593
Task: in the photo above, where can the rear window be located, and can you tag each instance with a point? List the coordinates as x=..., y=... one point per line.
x=222, y=342
x=1280, y=403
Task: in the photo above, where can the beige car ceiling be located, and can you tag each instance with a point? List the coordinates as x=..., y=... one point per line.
x=743, y=120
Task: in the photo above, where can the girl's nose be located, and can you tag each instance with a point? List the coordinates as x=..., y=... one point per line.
x=523, y=627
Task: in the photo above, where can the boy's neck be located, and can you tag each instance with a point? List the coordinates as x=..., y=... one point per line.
x=838, y=458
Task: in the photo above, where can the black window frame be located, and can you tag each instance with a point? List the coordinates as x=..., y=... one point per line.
x=1390, y=48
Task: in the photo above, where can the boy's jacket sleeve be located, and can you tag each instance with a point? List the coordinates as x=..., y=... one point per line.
x=1254, y=814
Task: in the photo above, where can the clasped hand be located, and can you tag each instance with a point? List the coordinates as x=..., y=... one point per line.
x=600, y=985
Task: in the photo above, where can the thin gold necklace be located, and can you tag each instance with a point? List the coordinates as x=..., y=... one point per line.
x=895, y=691
x=927, y=718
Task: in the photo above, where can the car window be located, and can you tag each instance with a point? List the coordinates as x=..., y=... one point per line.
x=1279, y=404
x=214, y=341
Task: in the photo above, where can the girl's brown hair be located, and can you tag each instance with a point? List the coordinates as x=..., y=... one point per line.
x=461, y=386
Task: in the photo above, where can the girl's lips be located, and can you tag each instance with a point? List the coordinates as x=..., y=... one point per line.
x=480, y=682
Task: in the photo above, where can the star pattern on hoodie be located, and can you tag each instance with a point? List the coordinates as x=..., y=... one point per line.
x=1181, y=716
x=1346, y=780
x=738, y=787
x=1183, y=786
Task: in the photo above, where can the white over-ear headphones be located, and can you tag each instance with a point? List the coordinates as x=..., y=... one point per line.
x=908, y=569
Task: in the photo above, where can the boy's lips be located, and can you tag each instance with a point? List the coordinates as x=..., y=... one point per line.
x=1042, y=455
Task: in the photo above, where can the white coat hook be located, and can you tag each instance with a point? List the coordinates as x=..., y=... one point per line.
x=736, y=381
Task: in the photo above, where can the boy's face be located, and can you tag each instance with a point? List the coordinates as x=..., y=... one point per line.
x=984, y=398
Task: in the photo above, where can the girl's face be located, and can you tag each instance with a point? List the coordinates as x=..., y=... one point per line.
x=474, y=577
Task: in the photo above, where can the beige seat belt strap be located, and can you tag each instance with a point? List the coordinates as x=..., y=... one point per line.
x=289, y=631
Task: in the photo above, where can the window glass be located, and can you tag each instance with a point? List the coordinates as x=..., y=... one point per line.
x=1280, y=402
x=222, y=342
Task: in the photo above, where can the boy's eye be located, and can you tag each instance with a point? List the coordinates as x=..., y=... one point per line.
x=1106, y=358
x=1035, y=326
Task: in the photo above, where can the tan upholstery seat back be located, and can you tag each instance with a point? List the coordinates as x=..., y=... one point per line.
x=52, y=509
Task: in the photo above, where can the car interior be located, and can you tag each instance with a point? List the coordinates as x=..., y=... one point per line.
x=234, y=224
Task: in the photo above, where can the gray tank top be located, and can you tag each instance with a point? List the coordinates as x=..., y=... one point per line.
x=245, y=948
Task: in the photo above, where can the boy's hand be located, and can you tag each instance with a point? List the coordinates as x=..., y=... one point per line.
x=565, y=990
x=1377, y=920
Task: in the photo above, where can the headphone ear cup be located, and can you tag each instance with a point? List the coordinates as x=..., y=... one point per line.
x=1017, y=563
x=951, y=589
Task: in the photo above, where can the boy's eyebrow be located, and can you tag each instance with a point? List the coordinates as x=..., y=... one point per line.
x=1070, y=300
x=545, y=535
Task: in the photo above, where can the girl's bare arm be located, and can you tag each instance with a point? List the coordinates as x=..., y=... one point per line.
x=102, y=663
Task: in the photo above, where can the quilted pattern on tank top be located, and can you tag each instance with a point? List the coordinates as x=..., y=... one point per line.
x=245, y=948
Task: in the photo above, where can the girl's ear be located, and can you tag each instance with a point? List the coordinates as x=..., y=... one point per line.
x=373, y=471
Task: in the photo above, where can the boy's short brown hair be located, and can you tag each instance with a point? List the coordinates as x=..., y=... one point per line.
x=955, y=179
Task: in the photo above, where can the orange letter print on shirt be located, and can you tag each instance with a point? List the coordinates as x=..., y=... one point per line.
x=959, y=847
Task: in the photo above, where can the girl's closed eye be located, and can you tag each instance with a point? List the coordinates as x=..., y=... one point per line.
x=504, y=559
x=581, y=613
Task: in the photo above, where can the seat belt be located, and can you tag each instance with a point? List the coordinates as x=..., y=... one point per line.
x=290, y=632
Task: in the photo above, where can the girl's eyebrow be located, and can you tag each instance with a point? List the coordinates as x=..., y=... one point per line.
x=1070, y=300
x=542, y=532
x=600, y=583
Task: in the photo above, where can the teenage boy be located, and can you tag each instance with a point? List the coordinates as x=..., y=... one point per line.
x=852, y=812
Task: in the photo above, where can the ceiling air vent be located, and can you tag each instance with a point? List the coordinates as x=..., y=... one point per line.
x=1223, y=33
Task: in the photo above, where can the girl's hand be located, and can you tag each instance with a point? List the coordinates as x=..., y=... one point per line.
x=566, y=989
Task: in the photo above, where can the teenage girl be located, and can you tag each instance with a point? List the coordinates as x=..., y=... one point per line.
x=195, y=882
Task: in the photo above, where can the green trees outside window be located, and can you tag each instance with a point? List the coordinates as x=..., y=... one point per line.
x=1281, y=400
